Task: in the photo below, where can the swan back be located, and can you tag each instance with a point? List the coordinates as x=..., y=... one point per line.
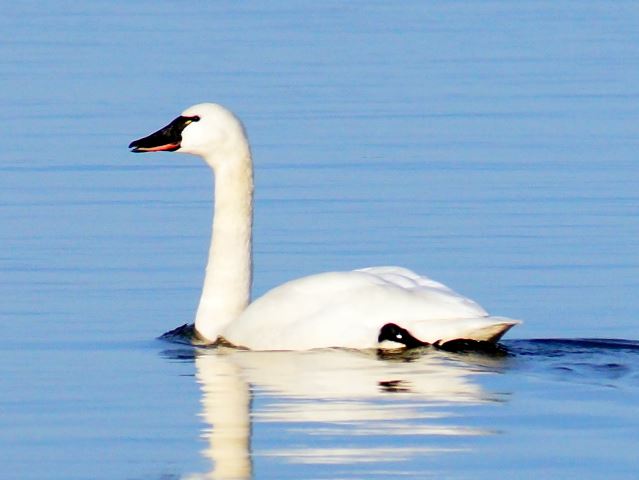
x=348, y=309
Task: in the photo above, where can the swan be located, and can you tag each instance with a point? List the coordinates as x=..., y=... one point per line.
x=376, y=307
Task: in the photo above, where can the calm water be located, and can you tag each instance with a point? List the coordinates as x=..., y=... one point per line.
x=492, y=145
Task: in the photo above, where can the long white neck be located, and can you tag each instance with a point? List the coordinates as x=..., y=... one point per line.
x=227, y=285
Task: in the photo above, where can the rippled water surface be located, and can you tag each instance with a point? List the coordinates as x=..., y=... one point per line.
x=491, y=145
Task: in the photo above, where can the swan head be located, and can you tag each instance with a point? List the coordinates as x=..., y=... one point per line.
x=206, y=129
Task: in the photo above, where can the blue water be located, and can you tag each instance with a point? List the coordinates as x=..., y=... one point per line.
x=490, y=145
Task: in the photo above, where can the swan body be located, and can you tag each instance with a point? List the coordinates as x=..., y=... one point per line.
x=350, y=308
x=334, y=309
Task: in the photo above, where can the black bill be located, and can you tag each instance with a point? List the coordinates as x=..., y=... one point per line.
x=166, y=139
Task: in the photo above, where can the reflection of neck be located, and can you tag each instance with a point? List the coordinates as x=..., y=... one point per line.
x=225, y=401
x=227, y=285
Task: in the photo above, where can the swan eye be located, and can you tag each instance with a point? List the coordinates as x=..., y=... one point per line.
x=399, y=335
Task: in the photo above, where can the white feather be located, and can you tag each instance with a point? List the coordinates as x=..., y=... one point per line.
x=348, y=309
x=334, y=309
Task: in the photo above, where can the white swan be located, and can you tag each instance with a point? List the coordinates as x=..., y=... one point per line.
x=379, y=307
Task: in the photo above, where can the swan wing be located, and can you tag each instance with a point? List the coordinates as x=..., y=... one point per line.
x=348, y=309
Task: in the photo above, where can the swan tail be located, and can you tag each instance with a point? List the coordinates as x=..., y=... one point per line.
x=493, y=332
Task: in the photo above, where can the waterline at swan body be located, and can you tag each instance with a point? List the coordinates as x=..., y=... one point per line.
x=334, y=309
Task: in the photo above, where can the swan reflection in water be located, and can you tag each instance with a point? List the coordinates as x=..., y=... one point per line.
x=335, y=401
